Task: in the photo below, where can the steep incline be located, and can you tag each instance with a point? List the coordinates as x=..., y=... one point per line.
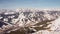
x=29, y=20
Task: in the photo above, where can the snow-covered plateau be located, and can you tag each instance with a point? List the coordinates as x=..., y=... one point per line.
x=29, y=21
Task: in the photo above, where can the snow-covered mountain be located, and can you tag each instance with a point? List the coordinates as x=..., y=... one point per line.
x=29, y=20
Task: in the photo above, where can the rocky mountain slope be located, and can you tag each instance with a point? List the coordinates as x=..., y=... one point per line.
x=29, y=21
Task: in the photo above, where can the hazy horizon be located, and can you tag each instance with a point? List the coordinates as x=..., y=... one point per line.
x=29, y=4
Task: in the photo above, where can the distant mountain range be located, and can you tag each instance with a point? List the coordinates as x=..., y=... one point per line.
x=37, y=19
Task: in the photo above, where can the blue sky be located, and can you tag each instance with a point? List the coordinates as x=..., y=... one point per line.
x=29, y=3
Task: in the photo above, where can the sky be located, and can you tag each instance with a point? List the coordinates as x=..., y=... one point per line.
x=29, y=3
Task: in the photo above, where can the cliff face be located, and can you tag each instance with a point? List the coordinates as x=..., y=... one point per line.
x=29, y=21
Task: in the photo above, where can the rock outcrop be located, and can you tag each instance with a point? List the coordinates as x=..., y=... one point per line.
x=29, y=21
